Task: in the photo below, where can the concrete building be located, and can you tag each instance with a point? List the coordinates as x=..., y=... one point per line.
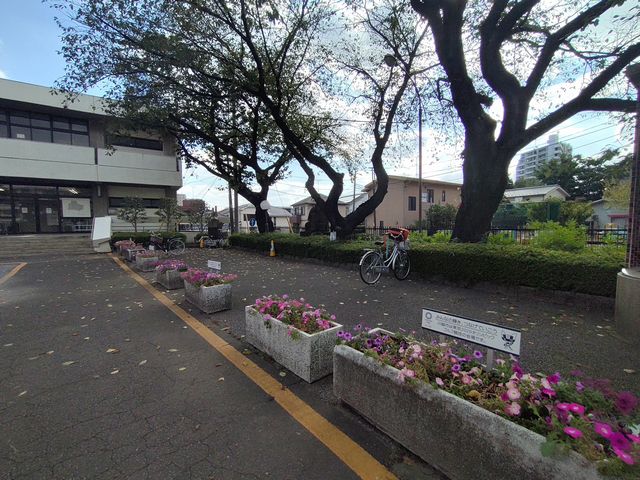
x=57, y=172
x=400, y=205
x=531, y=159
x=536, y=194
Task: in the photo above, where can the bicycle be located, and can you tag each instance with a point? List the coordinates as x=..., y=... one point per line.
x=374, y=262
x=172, y=246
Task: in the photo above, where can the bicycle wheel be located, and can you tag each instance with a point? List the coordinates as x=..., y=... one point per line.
x=401, y=265
x=175, y=246
x=370, y=267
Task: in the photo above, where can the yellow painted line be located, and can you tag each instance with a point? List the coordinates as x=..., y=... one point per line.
x=13, y=271
x=351, y=454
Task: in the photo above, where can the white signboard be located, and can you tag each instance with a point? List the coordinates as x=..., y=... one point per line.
x=76, y=207
x=493, y=336
x=424, y=197
x=214, y=265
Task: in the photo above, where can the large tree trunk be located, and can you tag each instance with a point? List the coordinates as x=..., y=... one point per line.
x=265, y=224
x=485, y=180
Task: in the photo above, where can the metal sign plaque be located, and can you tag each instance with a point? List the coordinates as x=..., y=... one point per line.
x=489, y=335
x=214, y=265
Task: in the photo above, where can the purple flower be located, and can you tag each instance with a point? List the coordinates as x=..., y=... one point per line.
x=347, y=336
x=456, y=368
x=572, y=432
x=619, y=441
x=579, y=387
x=626, y=402
x=513, y=409
x=550, y=392
x=358, y=327
x=624, y=456
x=477, y=354
x=554, y=379
x=576, y=408
x=517, y=369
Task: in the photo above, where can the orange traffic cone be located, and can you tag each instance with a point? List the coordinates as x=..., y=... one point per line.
x=272, y=252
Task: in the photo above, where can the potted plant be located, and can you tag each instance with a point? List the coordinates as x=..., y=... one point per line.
x=296, y=334
x=210, y=292
x=168, y=273
x=130, y=251
x=146, y=260
x=121, y=245
x=442, y=406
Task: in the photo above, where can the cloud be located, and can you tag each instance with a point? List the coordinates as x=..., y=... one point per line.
x=3, y=74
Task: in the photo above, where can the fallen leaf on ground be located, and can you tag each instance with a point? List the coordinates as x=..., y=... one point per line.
x=66, y=364
x=113, y=350
x=218, y=364
x=628, y=370
x=22, y=393
x=182, y=369
x=283, y=374
x=221, y=379
x=114, y=372
x=173, y=350
x=142, y=362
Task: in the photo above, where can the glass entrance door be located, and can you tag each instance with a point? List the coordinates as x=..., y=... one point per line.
x=24, y=211
x=48, y=215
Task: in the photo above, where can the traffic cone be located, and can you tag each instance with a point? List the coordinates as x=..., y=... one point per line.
x=201, y=242
x=272, y=252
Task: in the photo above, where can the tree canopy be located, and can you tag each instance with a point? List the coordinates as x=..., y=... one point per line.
x=515, y=69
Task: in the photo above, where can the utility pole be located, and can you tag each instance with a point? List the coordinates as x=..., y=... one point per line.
x=419, y=159
x=231, y=223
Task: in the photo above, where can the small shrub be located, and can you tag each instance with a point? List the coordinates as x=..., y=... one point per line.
x=553, y=236
x=502, y=238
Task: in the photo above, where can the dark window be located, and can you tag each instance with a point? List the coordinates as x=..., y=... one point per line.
x=61, y=123
x=20, y=118
x=40, y=121
x=80, y=139
x=4, y=131
x=20, y=133
x=381, y=224
x=119, y=202
x=444, y=195
x=412, y=204
x=74, y=191
x=40, y=135
x=429, y=195
x=61, y=137
x=78, y=126
x=134, y=142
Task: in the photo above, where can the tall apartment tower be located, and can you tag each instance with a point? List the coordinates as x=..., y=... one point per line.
x=531, y=159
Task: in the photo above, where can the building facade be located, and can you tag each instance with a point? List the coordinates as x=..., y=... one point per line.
x=63, y=163
x=301, y=209
x=400, y=205
x=530, y=160
x=536, y=194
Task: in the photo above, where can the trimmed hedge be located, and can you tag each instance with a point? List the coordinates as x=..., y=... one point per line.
x=466, y=263
x=143, y=237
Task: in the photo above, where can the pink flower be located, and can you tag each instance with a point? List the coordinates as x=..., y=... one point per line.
x=550, y=392
x=554, y=379
x=579, y=386
x=572, y=432
x=406, y=373
x=563, y=407
x=634, y=438
x=513, y=409
x=513, y=394
x=466, y=379
x=624, y=456
x=603, y=429
x=439, y=382
x=576, y=408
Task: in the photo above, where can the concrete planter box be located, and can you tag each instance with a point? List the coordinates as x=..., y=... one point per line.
x=170, y=279
x=130, y=253
x=457, y=437
x=209, y=299
x=308, y=356
x=146, y=264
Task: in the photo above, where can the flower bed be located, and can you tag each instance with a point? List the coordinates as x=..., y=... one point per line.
x=297, y=335
x=146, y=260
x=431, y=400
x=210, y=292
x=168, y=274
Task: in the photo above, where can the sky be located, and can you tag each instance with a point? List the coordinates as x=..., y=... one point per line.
x=30, y=40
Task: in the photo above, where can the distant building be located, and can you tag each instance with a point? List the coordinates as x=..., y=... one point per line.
x=192, y=204
x=180, y=197
x=302, y=208
x=279, y=216
x=531, y=159
x=352, y=203
x=400, y=204
x=607, y=215
x=536, y=194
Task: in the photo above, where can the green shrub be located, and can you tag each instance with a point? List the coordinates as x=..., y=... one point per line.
x=553, y=236
x=143, y=237
x=592, y=271
x=502, y=238
x=438, y=237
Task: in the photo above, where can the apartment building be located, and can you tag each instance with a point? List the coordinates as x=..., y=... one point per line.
x=530, y=160
x=400, y=205
x=63, y=163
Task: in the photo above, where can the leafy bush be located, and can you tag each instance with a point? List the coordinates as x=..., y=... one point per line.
x=143, y=237
x=438, y=217
x=585, y=272
x=438, y=237
x=502, y=238
x=567, y=212
x=553, y=236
